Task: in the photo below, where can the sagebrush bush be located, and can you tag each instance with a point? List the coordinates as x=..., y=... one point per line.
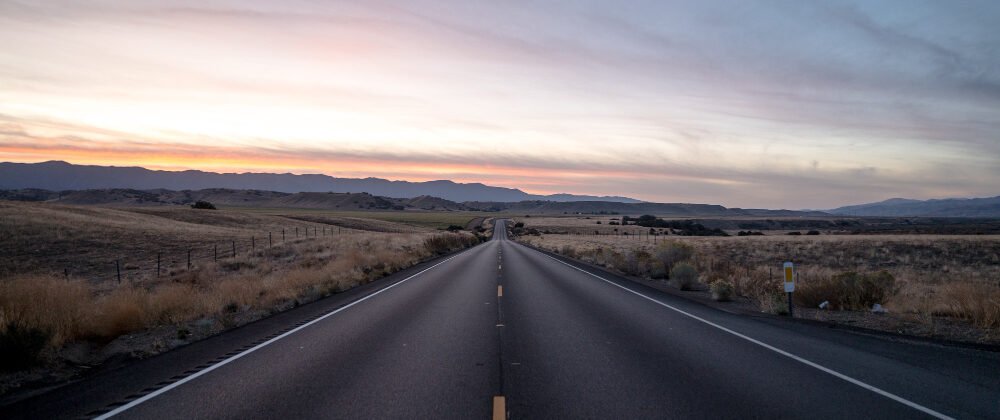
x=672, y=252
x=683, y=276
x=657, y=271
x=722, y=290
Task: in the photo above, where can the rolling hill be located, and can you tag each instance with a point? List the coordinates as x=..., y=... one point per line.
x=62, y=176
x=901, y=207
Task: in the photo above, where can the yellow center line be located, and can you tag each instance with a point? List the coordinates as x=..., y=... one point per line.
x=499, y=408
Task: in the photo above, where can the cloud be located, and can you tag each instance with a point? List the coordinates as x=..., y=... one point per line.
x=749, y=104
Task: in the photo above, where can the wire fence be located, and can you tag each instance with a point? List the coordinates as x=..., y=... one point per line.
x=179, y=258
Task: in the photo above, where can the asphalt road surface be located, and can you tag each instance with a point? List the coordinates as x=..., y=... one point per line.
x=505, y=330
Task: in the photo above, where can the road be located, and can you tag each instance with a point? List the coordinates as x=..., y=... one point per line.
x=505, y=330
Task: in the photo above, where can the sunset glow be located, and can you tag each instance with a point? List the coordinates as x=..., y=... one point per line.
x=826, y=104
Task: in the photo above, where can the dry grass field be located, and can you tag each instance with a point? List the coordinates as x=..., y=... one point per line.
x=43, y=311
x=933, y=277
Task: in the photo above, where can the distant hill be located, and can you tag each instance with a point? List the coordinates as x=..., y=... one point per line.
x=234, y=198
x=365, y=201
x=62, y=176
x=607, y=207
x=901, y=207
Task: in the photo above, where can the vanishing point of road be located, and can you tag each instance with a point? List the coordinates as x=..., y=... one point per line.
x=503, y=330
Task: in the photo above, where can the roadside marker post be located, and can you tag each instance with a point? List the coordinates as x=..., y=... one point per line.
x=789, y=285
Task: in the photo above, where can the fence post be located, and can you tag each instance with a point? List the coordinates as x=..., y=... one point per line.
x=269, y=244
x=234, y=249
x=189, y=258
x=253, y=244
x=314, y=231
x=282, y=236
x=66, y=273
x=216, y=248
x=296, y=231
x=157, y=264
x=118, y=269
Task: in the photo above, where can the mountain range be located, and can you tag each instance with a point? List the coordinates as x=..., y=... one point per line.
x=63, y=176
x=902, y=207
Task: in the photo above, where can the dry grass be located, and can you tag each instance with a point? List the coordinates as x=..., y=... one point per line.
x=934, y=275
x=263, y=281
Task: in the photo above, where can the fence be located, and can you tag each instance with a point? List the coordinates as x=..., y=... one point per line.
x=178, y=259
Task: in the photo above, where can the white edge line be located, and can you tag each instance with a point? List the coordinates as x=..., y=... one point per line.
x=195, y=375
x=871, y=388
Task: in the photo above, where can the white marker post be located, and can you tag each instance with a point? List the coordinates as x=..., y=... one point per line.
x=789, y=284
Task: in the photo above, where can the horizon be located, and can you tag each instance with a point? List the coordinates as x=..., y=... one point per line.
x=487, y=185
x=749, y=105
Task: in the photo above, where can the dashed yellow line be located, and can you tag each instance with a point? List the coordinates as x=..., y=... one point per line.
x=499, y=408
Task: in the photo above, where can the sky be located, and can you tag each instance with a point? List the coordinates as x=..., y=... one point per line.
x=754, y=104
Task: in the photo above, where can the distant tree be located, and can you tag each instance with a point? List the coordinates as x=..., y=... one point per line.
x=204, y=205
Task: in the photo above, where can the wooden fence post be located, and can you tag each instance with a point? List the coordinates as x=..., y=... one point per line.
x=118, y=269
x=234, y=249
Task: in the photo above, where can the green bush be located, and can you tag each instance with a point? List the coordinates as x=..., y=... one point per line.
x=683, y=276
x=20, y=347
x=722, y=290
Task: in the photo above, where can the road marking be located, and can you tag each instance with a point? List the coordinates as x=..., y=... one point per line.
x=499, y=408
x=195, y=375
x=499, y=290
x=871, y=388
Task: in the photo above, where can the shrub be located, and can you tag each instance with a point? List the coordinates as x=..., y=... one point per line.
x=722, y=290
x=657, y=271
x=568, y=251
x=21, y=347
x=777, y=303
x=683, y=276
x=204, y=205
x=849, y=290
x=670, y=253
x=519, y=224
x=636, y=262
x=443, y=244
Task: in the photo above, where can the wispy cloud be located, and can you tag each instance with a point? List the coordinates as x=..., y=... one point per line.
x=752, y=104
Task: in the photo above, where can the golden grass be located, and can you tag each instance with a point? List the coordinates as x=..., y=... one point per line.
x=941, y=275
x=265, y=280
